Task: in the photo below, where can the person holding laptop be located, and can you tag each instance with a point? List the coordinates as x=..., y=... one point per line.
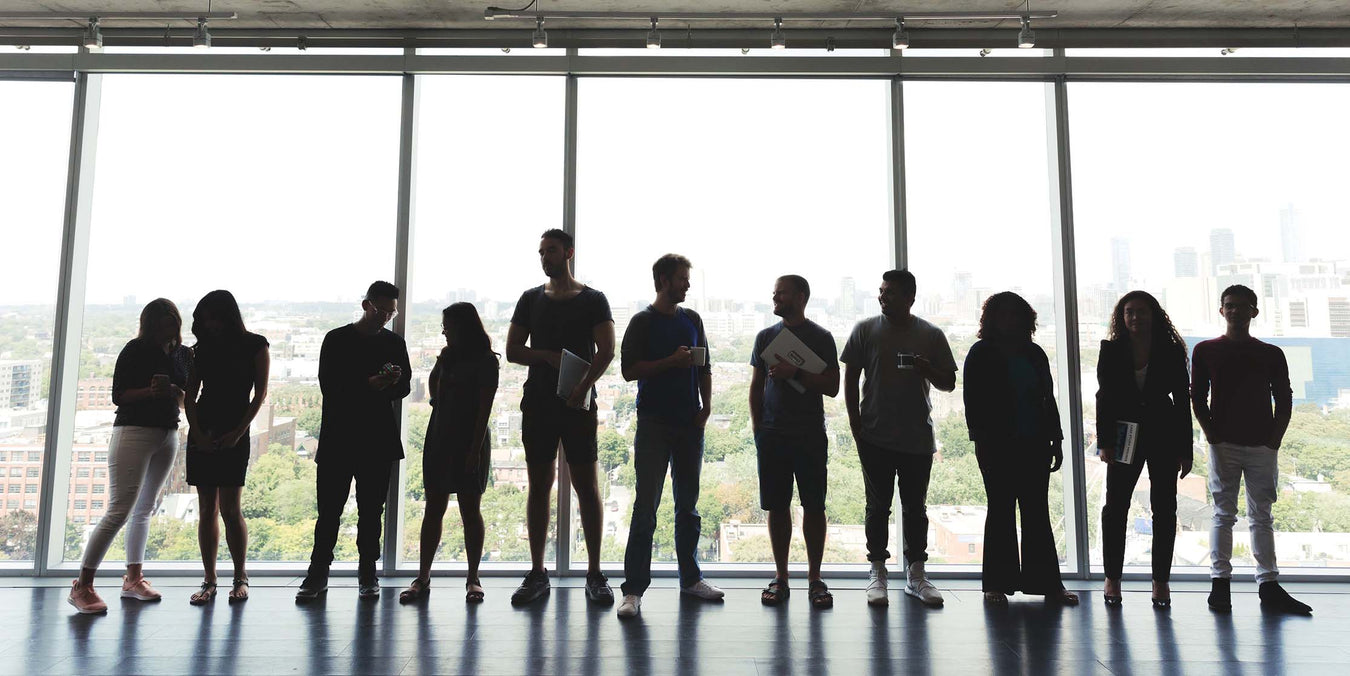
x=787, y=412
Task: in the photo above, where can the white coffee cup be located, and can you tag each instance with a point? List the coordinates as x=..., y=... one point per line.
x=700, y=355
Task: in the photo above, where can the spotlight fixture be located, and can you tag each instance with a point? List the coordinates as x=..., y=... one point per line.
x=93, y=37
x=653, y=36
x=302, y=43
x=900, y=38
x=1026, y=38
x=201, y=38
x=540, y=38
x=1227, y=50
x=986, y=51
x=777, y=40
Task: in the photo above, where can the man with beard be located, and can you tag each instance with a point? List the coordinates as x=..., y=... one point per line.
x=903, y=356
x=562, y=314
x=666, y=351
x=787, y=412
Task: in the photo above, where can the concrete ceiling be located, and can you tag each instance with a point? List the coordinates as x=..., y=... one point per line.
x=440, y=14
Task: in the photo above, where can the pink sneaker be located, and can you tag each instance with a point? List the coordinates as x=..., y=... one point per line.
x=139, y=590
x=86, y=600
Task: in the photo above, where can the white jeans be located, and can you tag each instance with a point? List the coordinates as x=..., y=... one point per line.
x=139, y=460
x=1228, y=464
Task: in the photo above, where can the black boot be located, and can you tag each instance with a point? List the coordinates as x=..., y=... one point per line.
x=1220, y=595
x=1274, y=597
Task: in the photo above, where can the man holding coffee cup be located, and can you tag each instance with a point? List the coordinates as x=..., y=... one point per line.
x=666, y=351
x=903, y=356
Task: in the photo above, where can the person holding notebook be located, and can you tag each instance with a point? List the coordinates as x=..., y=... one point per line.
x=787, y=412
x=1142, y=379
x=562, y=314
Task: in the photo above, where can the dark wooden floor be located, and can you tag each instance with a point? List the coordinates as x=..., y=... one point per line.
x=563, y=635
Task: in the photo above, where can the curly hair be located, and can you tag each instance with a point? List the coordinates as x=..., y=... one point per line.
x=995, y=304
x=1164, y=332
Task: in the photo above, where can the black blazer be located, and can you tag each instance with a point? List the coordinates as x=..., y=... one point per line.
x=1162, y=409
x=991, y=401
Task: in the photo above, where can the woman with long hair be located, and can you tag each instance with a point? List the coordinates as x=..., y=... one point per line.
x=1142, y=379
x=457, y=455
x=1014, y=422
x=230, y=364
x=147, y=389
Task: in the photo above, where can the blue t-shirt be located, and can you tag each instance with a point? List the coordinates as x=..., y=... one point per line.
x=671, y=395
x=786, y=409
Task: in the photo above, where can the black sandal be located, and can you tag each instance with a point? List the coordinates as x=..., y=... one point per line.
x=418, y=590
x=776, y=593
x=205, y=594
x=820, y=595
x=472, y=595
x=234, y=590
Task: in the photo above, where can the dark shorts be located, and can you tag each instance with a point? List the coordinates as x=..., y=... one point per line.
x=783, y=455
x=546, y=423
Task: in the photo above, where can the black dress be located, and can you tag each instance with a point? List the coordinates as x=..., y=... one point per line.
x=226, y=369
x=450, y=431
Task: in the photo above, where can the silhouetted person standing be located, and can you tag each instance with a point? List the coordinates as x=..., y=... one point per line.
x=147, y=389
x=902, y=356
x=1014, y=421
x=562, y=314
x=666, y=351
x=1234, y=379
x=1142, y=379
x=363, y=371
x=230, y=371
x=787, y=411
x=457, y=453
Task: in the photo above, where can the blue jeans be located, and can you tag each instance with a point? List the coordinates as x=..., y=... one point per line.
x=656, y=446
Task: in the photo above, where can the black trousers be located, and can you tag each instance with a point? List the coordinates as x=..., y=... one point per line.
x=1017, y=476
x=333, y=486
x=883, y=468
x=1120, y=483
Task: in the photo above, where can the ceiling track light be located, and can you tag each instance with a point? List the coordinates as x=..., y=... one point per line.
x=653, y=36
x=777, y=40
x=1026, y=38
x=540, y=37
x=201, y=37
x=900, y=38
x=93, y=37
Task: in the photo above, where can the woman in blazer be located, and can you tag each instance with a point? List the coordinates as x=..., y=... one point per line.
x=1014, y=422
x=1142, y=378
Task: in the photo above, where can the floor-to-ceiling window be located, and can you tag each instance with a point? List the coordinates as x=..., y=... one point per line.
x=35, y=135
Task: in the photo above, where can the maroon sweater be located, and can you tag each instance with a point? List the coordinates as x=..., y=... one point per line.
x=1232, y=385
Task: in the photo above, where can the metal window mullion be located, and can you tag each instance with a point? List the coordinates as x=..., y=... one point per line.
x=69, y=327
x=563, y=540
x=407, y=167
x=898, y=236
x=1068, y=356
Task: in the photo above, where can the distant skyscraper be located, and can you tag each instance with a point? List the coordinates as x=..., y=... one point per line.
x=1120, y=263
x=1185, y=263
x=1290, y=235
x=1222, y=248
x=848, y=297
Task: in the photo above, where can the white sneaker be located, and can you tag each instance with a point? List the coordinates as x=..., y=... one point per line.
x=704, y=591
x=876, y=586
x=920, y=588
x=632, y=603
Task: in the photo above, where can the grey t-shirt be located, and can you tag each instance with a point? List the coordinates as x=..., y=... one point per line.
x=896, y=411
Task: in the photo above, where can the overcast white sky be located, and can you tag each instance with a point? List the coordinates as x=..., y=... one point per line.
x=283, y=187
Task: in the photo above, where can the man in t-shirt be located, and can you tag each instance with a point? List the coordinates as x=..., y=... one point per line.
x=666, y=351
x=787, y=412
x=562, y=314
x=903, y=356
x=363, y=371
x=1233, y=381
